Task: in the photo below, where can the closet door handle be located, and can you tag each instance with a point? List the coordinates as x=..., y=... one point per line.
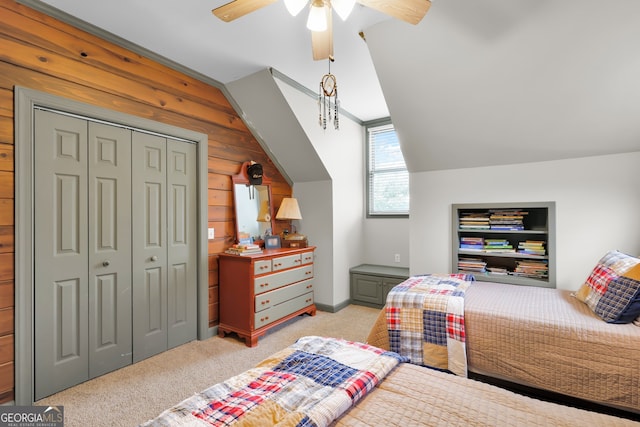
x=154, y=258
x=106, y=263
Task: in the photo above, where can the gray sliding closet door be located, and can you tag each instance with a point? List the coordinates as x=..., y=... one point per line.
x=149, y=245
x=115, y=241
x=60, y=253
x=164, y=244
x=182, y=242
x=82, y=252
x=109, y=248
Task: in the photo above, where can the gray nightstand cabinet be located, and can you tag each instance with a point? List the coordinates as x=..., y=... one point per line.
x=370, y=284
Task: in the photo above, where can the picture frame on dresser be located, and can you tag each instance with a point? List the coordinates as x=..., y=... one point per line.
x=272, y=242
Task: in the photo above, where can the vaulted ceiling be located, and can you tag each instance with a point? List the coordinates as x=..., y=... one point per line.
x=476, y=83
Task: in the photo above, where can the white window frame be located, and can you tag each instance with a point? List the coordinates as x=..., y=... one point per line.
x=371, y=129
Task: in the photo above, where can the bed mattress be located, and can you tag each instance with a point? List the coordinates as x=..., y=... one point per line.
x=417, y=396
x=547, y=339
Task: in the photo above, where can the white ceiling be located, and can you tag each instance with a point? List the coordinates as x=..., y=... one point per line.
x=476, y=83
x=188, y=33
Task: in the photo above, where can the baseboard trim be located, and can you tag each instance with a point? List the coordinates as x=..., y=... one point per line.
x=333, y=308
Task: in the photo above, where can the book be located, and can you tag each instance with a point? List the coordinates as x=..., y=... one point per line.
x=244, y=249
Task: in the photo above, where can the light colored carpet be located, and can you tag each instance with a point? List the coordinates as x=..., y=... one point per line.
x=141, y=391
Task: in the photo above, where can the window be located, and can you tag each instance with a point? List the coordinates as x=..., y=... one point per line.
x=388, y=178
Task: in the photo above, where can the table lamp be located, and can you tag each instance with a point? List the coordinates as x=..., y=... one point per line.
x=289, y=210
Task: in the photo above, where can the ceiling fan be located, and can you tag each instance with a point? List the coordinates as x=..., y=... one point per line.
x=320, y=16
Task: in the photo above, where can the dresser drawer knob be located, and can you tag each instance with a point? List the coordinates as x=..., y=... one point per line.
x=309, y=300
x=309, y=286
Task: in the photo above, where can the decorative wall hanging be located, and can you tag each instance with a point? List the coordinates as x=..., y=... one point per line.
x=328, y=90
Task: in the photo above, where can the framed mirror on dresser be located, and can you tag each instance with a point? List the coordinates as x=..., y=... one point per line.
x=253, y=205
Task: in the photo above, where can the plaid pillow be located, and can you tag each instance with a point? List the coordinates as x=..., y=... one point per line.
x=612, y=290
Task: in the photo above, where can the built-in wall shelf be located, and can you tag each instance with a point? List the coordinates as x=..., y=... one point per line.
x=505, y=242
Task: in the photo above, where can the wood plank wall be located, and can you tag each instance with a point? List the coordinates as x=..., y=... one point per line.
x=42, y=53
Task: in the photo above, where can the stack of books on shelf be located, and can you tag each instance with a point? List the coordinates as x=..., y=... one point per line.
x=471, y=265
x=244, y=249
x=500, y=271
x=532, y=247
x=474, y=221
x=509, y=220
x=472, y=243
x=534, y=269
x=498, y=246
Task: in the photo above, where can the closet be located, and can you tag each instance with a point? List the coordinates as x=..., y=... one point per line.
x=115, y=248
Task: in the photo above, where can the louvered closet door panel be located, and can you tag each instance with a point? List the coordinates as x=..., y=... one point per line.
x=181, y=239
x=61, y=254
x=109, y=248
x=149, y=256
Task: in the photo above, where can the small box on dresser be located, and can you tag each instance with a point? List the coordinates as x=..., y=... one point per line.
x=260, y=291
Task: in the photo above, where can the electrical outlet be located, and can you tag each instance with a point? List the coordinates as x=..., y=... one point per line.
x=397, y=257
x=212, y=234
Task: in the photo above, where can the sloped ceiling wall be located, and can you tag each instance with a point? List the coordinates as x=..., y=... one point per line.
x=495, y=82
x=267, y=111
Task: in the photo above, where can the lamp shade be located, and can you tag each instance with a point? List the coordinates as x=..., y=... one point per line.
x=289, y=209
x=317, y=20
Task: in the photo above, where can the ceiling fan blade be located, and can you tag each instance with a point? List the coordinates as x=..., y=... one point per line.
x=411, y=11
x=322, y=41
x=238, y=8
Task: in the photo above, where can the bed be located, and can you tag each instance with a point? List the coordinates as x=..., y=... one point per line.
x=321, y=381
x=547, y=339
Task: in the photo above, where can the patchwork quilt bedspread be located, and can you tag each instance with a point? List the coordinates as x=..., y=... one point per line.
x=309, y=383
x=425, y=320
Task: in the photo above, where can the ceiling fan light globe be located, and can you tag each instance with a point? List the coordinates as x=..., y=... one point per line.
x=317, y=20
x=343, y=7
x=295, y=6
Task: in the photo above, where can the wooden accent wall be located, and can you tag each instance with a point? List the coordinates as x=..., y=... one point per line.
x=42, y=53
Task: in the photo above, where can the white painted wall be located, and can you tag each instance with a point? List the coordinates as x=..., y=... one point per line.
x=386, y=237
x=597, y=204
x=317, y=224
x=337, y=211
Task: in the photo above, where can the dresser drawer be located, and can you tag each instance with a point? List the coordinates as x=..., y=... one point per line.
x=279, y=311
x=271, y=298
x=283, y=262
x=262, y=267
x=307, y=257
x=277, y=280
